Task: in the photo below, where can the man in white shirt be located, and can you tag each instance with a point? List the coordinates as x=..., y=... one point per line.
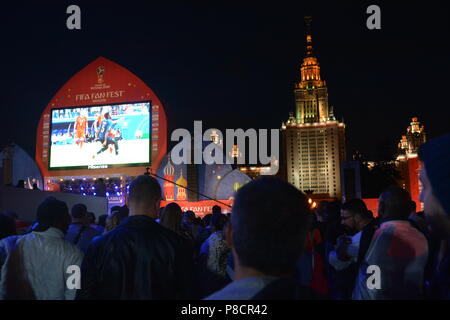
x=37, y=263
x=398, y=251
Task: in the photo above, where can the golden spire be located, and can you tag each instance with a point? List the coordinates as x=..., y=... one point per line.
x=309, y=47
x=310, y=69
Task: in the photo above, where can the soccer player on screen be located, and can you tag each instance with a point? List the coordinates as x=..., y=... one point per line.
x=107, y=135
x=97, y=124
x=79, y=128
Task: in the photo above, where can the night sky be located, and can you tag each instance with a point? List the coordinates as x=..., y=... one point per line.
x=233, y=65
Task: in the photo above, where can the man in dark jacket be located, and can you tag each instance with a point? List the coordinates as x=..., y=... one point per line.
x=139, y=259
x=351, y=248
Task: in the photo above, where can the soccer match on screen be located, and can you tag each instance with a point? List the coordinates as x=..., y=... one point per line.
x=100, y=136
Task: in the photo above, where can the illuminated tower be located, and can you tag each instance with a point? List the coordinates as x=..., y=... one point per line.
x=407, y=158
x=169, y=188
x=313, y=141
x=408, y=146
x=181, y=182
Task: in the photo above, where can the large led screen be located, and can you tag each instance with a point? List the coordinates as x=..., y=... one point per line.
x=99, y=137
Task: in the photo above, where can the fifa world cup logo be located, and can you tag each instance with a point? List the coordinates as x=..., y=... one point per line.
x=100, y=73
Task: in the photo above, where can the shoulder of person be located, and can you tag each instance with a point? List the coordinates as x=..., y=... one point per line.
x=71, y=250
x=10, y=242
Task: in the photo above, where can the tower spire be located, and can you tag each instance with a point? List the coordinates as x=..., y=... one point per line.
x=310, y=69
x=309, y=47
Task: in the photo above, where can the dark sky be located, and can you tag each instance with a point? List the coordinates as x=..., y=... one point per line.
x=233, y=65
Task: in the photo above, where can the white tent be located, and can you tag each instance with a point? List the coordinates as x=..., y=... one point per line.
x=23, y=166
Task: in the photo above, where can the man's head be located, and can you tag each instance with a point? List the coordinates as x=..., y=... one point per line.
x=394, y=204
x=79, y=212
x=218, y=221
x=354, y=215
x=107, y=115
x=269, y=222
x=145, y=196
x=114, y=209
x=171, y=217
x=189, y=217
x=216, y=209
x=52, y=213
x=90, y=216
x=435, y=179
x=206, y=220
x=102, y=220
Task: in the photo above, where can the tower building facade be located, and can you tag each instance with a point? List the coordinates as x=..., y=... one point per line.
x=313, y=141
x=408, y=161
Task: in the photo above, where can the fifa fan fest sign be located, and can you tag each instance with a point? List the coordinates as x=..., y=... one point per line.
x=104, y=118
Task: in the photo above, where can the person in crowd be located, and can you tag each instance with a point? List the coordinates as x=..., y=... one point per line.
x=21, y=184
x=80, y=233
x=190, y=223
x=112, y=220
x=172, y=217
x=417, y=219
x=213, y=256
x=435, y=179
x=398, y=250
x=333, y=229
x=216, y=209
x=7, y=226
x=90, y=217
x=206, y=220
x=435, y=195
x=7, y=229
x=230, y=265
x=132, y=261
x=205, y=230
x=311, y=264
x=334, y=226
x=101, y=224
x=35, y=186
x=114, y=209
x=37, y=263
x=352, y=247
x=118, y=214
x=193, y=225
x=269, y=222
x=21, y=226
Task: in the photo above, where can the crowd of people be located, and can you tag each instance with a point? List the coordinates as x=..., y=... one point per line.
x=272, y=246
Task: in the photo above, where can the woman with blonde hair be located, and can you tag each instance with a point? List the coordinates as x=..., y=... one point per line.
x=172, y=217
